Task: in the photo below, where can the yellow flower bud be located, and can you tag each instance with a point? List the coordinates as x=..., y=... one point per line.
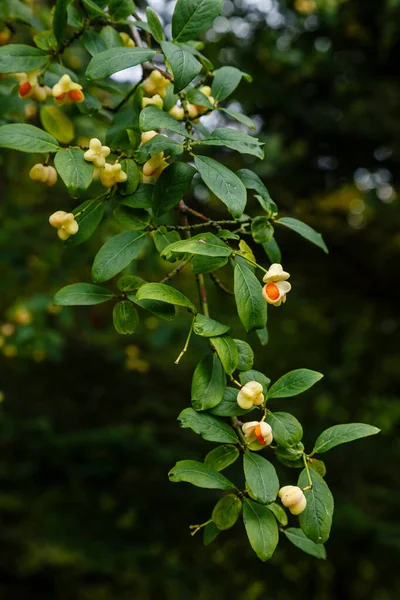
x=156, y=100
x=293, y=498
x=112, y=174
x=51, y=176
x=97, y=153
x=38, y=173
x=250, y=395
x=128, y=41
x=147, y=136
x=177, y=112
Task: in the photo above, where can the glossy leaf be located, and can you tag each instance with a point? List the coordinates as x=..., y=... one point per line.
x=164, y=293
x=206, y=244
x=199, y=474
x=316, y=520
x=342, y=434
x=251, y=306
x=261, y=477
x=90, y=214
x=222, y=457
x=163, y=238
x=262, y=230
x=154, y=25
x=141, y=198
x=135, y=219
x=227, y=351
x=286, y=429
x=130, y=283
x=74, y=170
x=246, y=355
x=114, y=60
x=57, y=123
x=184, y=66
x=253, y=375
x=82, y=294
x=210, y=533
x=116, y=254
x=93, y=42
x=190, y=17
x=120, y=9
x=60, y=19
x=208, y=383
x=226, y=512
x=172, y=185
x=154, y=118
x=226, y=80
x=304, y=230
x=125, y=317
x=235, y=140
x=161, y=310
x=159, y=143
x=207, y=264
x=223, y=183
x=279, y=513
x=293, y=383
x=251, y=181
x=207, y=327
x=19, y=58
x=27, y=138
x=300, y=540
x=261, y=529
x=238, y=116
x=208, y=427
x=228, y=407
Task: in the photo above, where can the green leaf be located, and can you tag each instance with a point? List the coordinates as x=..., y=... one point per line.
x=135, y=219
x=261, y=230
x=130, y=283
x=304, y=230
x=207, y=327
x=261, y=529
x=244, y=119
x=253, y=375
x=91, y=214
x=293, y=383
x=291, y=457
x=159, y=309
x=111, y=38
x=184, y=66
x=246, y=355
x=226, y=512
x=206, y=244
x=316, y=520
x=163, y=238
x=129, y=186
x=227, y=351
x=207, y=426
x=159, y=143
x=207, y=264
x=317, y=465
x=116, y=254
x=154, y=25
x=57, y=123
x=141, y=198
x=114, y=60
x=251, y=306
x=74, y=170
x=235, y=140
x=60, y=19
x=195, y=96
x=27, y=138
x=342, y=434
x=82, y=294
x=286, y=429
x=164, y=293
x=300, y=540
x=93, y=9
x=279, y=513
x=120, y=9
x=93, y=42
x=261, y=477
x=221, y=457
x=125, y=317
x=154, y=118
x=251, y=181
x=272, y=251
x=19, y=58
x=210, y=532
x=208, y=383
x=190, y=17
x=223, y=183
x=228, y=407
x=263, y=336
x=226, y=80
x=171, y=186
x=45, y=40
x=199, y=474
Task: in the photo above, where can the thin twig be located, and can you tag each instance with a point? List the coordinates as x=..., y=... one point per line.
x=219, y=284
x=175, y=271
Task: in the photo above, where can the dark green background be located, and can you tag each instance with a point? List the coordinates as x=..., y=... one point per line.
x=86, y=508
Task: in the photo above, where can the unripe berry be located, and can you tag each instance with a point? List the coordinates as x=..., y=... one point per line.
x=293, y=498
x=250, y=395
x=38, y=173
x=57, y=219
x=128, y=41
x=51, y=176
x=177, y=112
x=156, y=100
x=147, y=136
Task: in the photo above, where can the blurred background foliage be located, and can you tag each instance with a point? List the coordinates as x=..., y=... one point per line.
x=88, y=418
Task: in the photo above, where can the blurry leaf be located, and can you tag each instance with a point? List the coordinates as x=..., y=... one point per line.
x=45, y=40
x=199, y=474
x=226, y=80
x=141, y=198
x=225, y=234
x=93, y=42
x=262, y=230
x=159, y=143
x=261, y=477
x=92, y=212
x=251, y=306
x=223, y=183
x=172, y=185
x=74, y=170
x=163, y=238
x=246, y=355
x=159, y=309
x=164, y=293
x=247, y=253
x=242, y=118
x=228, y=407
x=316, y=520
x=130, y=283
x=206, y=244
x=263, y=336
x=253, y=375
x=210, y=533
x=116, y=254
x=93, y=9
x=291, y=457
x=154, y=118
x=226, y=512
x=19, y=58
x=111, y=37
x=57, y=123
x=154, y=25
x=125, y=317
x=60, y=19
x=227, y=351
x=184, y=66
x=304, y=230
x=293, y=383
x=207, y=264
x=235, y=140
x=208, y=427
x=190, y=17
x=114, y=60
x=272, y=251
x=317, y=465
x=279, y=513
x=286, y=429
x=297, y=537
x=82, y=294
x=261, y=529
x=27, y=138
x=251, y=181
x=341, y=434
x=208, y=383
x=136, y=219
x=195, y=96
x=121, y=9
x=129, y=186
x=221, y=457
x=207, y=327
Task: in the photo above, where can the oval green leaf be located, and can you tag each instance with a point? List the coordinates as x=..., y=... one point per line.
x=261, y=478
x=251, y=306
x=221, y=457
x=116, y=254
x=261, y=529
x=304, y=230
x=208, y=383
x=286, y=429
x=82, y=294
x=316, y=520
x=164, y=293
x=114, y=60
x=199, y=474
x=227, y=351
x=208, y=427
x=298, y=539
x=226, y=512
x=74, y=170
x=342, y=434
x=293, y=383
x=125, y=317
x=27, y=138
x=184, y=66
x=207, y=327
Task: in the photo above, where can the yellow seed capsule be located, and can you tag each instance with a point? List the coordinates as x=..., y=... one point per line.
x=156, y=100
x=177, y=112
